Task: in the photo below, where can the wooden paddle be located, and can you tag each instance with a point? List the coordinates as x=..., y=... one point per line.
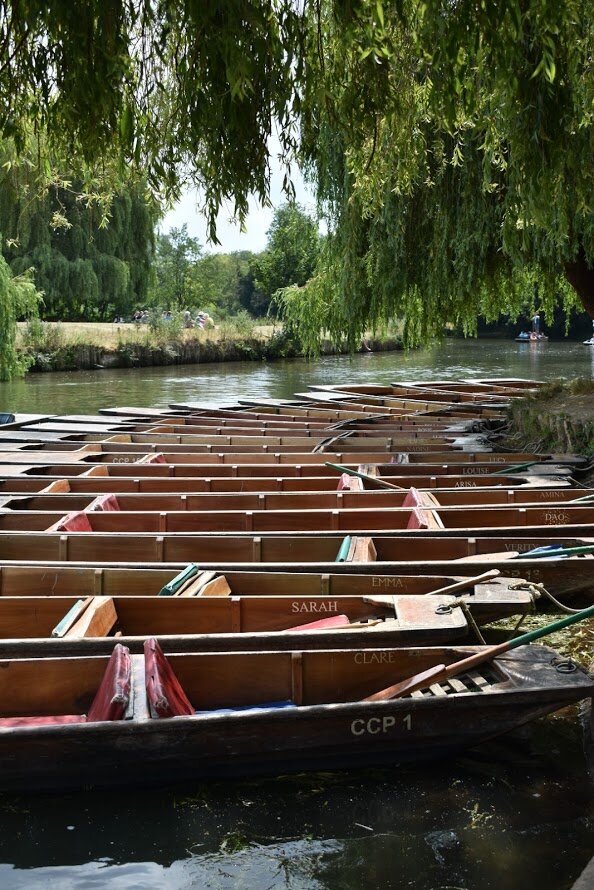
x=366, y=476
x=465, y=583
x=440, y=672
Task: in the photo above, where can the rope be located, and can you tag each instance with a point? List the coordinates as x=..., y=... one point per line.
x=540, y=590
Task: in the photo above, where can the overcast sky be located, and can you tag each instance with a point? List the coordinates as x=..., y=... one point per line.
x=257, y=223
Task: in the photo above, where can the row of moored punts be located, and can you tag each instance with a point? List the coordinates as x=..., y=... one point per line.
x=201, y=590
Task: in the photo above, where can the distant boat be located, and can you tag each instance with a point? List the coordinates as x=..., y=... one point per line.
x=531, y=338
x=589, y=342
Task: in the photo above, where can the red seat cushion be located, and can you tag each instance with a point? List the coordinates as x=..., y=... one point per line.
x=105, y=502
x=113, y=695
x=52, y=720
x=344, y=483
x=321, y=623
x=412, y=499
x=157, y=458
x=72, y=522
x=165, y=694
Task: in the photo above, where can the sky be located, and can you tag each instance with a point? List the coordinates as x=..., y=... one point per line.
x=257, y=223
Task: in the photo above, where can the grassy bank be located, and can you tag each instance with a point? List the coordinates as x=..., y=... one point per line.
x=69, y=346
x=559, y=418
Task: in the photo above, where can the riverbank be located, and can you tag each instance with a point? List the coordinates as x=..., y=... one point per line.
x=560, y=418
x=66, y=346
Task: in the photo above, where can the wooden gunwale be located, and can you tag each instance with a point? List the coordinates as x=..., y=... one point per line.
x=396, y=555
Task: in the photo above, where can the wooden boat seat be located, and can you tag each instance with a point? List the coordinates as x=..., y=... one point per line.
x=165, y=695
x=104, y=502
x=58, y=486
x=110, y=702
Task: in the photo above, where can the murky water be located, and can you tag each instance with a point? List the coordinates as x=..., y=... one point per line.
x=516, y=813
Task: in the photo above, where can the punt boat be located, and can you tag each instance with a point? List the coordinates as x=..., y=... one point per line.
x=555, y=520
x=210, y=617
x=566, y=570
x=490, y=593
x=60, y=496
x=128, y=479
x=146, y=719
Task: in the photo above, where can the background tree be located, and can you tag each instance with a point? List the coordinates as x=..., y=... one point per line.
x=175, y=259
x=291, y=254
x=451, y=156
x=18, y=299
x=88, y=266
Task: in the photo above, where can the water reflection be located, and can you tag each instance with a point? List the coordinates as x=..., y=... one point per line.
x=515, y=811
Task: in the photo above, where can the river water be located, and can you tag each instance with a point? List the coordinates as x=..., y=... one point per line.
x=515, y=813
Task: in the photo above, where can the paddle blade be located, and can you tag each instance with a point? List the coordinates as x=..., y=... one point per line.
x=418, y=681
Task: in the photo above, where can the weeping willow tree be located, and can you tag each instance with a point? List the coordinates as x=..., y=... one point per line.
x=450, y=140
x=90, y=264
x=451, y=144
x=18, y=299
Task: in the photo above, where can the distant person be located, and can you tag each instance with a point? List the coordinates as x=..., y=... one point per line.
x=167, y=315
x=137, y=317
x=188, y=323
x=536, y=324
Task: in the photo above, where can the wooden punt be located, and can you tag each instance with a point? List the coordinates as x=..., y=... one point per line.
x=375, y=556
x=190, y=445
x=94, y=579
x=97, y=579
x=124, y=452
x=450, y=391
x=323, y=725
x=552, y=520
x=78, y=625
x=61, y=495
x=408, y=391
x=105, y=478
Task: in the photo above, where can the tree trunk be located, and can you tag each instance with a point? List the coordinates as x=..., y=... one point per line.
x=581, y=277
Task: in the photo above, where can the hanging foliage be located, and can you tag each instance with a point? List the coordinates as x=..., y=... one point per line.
x=88, y=266
x=18, y=299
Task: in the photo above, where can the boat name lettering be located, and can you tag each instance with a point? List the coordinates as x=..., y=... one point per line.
x=557, y=518
x=375, y=657
x=520, y=546
x=465, y=483
x=375, y=725
x=313, y=606
x=475, y=471
x=543, y=495
x=386, y=582
x=123, y=460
